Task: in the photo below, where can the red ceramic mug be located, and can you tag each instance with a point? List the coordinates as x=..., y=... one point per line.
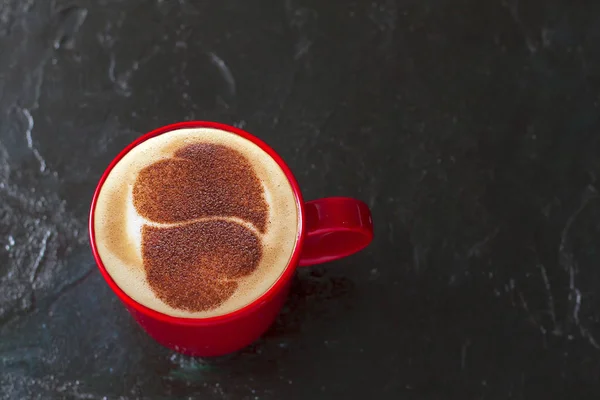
x=328, y=229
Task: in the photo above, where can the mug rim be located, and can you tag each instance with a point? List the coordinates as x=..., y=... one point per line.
x=273, y=290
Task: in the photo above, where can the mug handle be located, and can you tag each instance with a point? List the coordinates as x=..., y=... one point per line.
x=335, y=227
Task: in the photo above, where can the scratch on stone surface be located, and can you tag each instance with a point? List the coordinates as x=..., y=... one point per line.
x=122, y=80
x=301, y=21
x=565, y=257
x=551, y=306
x=302, y=47
x=111, y=68
x=38, y=260
x=524, y=302
x=240, y=124
x=513, y=7
x=475, y=250
x=546, y=37
x=72, y=19
x=37, y=90
x=104, y=37
x=68, y=287
x=532, y=317
x=587, y=334
x=29, y=129
x=225, y=72
x=577, y=306
x=569, y=265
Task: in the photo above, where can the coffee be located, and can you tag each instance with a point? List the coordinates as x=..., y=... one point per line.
x=196, y=222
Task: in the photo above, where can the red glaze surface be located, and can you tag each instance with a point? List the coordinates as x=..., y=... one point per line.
x=335, y=227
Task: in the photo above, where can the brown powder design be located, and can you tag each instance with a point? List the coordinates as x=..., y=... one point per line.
x=202, y=180
x=194, y=266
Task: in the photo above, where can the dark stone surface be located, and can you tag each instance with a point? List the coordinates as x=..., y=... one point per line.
x=470, y=127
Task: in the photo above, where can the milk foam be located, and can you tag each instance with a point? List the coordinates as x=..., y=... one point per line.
x=118, y=225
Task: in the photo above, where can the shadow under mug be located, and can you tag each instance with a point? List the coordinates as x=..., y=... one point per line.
x=328, y=229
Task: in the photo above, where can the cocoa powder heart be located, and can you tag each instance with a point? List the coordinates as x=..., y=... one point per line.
x=201, y=180
x=194, y=265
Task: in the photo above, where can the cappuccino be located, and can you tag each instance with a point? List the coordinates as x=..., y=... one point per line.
x=195, y=223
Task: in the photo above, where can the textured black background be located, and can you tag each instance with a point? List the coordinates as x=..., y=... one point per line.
x=470, y=127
